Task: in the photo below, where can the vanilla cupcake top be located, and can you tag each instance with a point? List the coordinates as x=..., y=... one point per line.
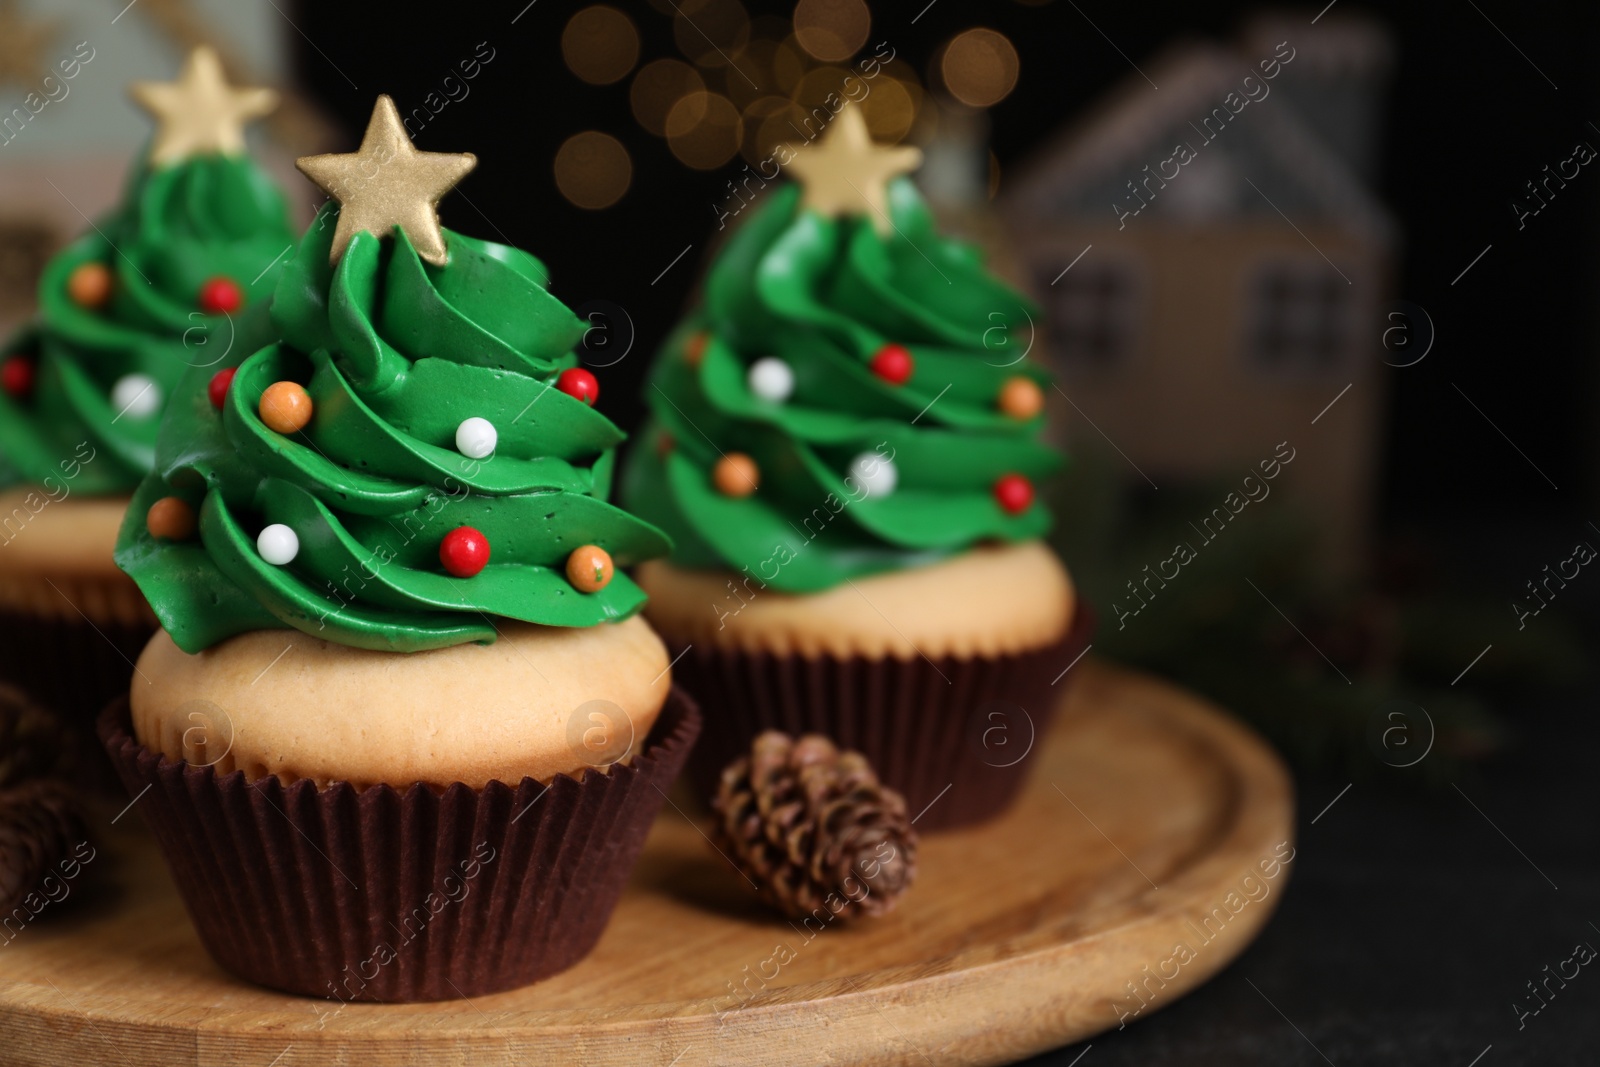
x=851, y=398
x=418, y=456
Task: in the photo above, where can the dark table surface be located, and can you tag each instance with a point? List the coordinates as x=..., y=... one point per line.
x=1415, y=922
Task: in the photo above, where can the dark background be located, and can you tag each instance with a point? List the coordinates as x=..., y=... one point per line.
x=1414, y=922
x=1470, y=121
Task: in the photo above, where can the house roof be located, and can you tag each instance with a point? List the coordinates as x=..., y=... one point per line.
x=1089, y=161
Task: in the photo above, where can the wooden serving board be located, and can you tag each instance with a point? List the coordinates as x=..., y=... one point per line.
x=1146, y=824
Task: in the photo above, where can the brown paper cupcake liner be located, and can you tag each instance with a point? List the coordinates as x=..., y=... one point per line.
x=389, y=895
x=952, y=735
x=69, y=664
x=72, y=667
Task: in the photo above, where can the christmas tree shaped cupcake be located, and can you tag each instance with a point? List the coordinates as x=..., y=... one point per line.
x=845, y=448
x=394, y=619
x=178, y=275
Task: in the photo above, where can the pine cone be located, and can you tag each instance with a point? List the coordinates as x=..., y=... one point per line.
x=39, y=827
x=33, y=742
x=814, y=829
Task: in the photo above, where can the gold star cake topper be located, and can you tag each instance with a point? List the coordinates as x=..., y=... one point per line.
x=200, y=112
x=845, y=173
x=389, y=183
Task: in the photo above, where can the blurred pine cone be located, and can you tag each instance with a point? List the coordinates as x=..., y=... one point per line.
x=39, y=827
x=814, y=829
x=33, y=742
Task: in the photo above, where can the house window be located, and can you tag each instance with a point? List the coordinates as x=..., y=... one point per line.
x=1299, y=317
x=1092, y=313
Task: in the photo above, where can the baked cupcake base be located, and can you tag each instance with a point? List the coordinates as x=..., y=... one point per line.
x=943, y=675
x=393, y=895
x=951, y=734
x=71, y=624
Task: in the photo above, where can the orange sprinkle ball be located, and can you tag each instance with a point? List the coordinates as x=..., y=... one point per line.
x=695, y=349
x=286, y=407
x=170, y=519
x=589, y=569
x=1021, y=398
x=89, y=285
x=736, y=474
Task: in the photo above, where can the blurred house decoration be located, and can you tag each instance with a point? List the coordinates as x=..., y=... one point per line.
x=69, y=132
x=1214, y=264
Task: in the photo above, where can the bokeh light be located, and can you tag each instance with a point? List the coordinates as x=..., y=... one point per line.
x=832, y=30
x=979, y=67
x=657, y=87
x=905, y=74
x=711, y=32
x=755, y=63
x=593, y=169
x=889, y=110
x=754, y=81
x=769, y=122
x=789, y=64
x=600, y=45
x=819, y=83
x=704, y=130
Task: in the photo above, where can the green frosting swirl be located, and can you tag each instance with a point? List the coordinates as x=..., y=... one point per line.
x=395, y=353
x=177, y=228
x=824, y=295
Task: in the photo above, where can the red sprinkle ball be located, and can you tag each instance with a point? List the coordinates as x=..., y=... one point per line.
x=577, y=382
x=217, y=390
x=464, y=552
x=1014, y=494
x=893, y=363
x=221, y=296
x=16, y=376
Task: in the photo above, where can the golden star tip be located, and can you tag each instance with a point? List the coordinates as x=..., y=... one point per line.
x=200, y=112
x=388, y=183
x=846, y=173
